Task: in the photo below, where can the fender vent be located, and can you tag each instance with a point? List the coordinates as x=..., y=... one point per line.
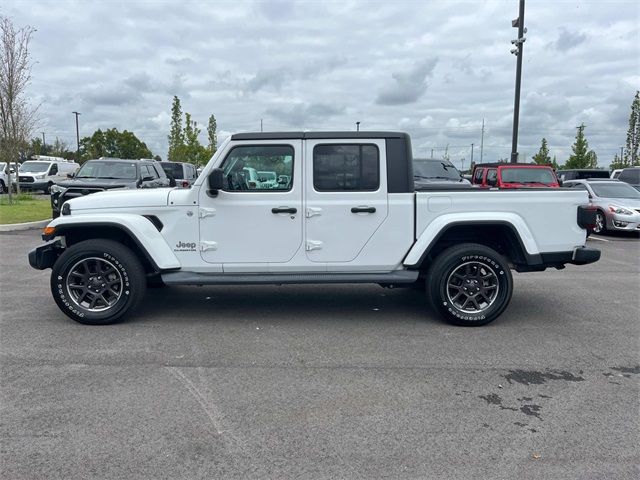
x=156, y=222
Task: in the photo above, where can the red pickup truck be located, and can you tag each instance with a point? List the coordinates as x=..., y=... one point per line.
x=513, y=175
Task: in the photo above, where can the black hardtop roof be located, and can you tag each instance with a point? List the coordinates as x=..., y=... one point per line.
x=583, y=170
x=509, y=164
x=315, y=135
x=119, y=160
x=595, y=180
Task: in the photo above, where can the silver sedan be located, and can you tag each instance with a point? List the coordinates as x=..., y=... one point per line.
x=618, y=204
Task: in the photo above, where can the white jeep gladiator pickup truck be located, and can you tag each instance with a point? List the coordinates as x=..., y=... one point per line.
x=344, y=209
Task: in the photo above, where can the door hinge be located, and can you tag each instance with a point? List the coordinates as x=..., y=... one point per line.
x=313, y=245
x=312, y=211
x=206, y=212
x=205, y=246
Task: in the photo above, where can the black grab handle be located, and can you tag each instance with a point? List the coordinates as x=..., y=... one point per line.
x=363, y=210
x=284, y=210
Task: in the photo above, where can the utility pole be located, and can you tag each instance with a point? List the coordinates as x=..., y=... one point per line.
x=482, y=142
x=44, y=144
x=357, y=126
x=621, y=150
x=432, y=153
x=462, y=170
x=472, y=153
x=517, y=51
x=77, y=137
x=261, y=125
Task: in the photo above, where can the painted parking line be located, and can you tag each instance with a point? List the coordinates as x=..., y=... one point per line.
x=598, y=238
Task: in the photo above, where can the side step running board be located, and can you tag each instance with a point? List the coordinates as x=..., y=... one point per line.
x=195, y=278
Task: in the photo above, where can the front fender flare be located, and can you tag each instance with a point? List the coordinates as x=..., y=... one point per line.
x=140, y=229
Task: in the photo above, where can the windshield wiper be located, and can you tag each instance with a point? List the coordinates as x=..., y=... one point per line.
x=113, y=178
x=434, y=176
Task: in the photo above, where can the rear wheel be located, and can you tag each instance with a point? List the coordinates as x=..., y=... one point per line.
x=3, y=188
x=97, y=282
x=470, y=284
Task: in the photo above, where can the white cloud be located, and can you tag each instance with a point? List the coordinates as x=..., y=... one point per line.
x=434, y=69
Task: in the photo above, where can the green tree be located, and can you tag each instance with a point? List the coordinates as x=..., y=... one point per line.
x=633, y=134
x=17, y=117
x=112, y=143
x=582, y=157
x=542, y=157
x=176, y=135
x=192, y=150
x=212, y=134
x=617, y=163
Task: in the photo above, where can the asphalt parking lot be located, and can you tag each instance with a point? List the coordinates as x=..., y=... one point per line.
x=324, y=381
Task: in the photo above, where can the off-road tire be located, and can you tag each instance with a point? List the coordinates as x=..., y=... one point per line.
x=475, y=272
x=103, y=270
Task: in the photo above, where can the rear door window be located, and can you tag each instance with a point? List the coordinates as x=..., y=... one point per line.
x=477, y=176
x=346, y=167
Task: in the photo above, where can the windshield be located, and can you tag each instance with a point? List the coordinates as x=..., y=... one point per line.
x=173, y=169
x=435, y=169
x=34, y=167
x=527, y=175
x=106, y=169
x=614, y=190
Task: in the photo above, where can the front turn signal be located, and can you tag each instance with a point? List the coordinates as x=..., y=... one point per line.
x=49, y=231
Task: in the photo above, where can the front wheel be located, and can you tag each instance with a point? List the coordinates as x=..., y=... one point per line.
x=470, y=284
x=97, y=282
x=601, y=223
x=3, y=189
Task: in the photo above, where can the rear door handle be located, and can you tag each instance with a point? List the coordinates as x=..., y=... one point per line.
x=363, y=210
x=284, y=210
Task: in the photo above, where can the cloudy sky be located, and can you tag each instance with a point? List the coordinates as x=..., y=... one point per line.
x=432, y=68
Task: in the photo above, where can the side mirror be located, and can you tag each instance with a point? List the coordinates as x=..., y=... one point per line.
x=216, y=180
x=71, y=175
x=172, y=181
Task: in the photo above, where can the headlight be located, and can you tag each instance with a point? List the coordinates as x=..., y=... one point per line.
x=41, y=176
x=58, y=189
x=620, y=210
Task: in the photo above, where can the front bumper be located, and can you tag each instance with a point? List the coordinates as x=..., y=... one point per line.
x=45, y=255
x=629, y=223
x=37, y=185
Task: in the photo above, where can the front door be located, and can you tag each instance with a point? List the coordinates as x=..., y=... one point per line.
x=257, y=217
x=346, y=197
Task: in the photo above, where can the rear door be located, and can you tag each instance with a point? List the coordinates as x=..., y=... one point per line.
x=346, y=197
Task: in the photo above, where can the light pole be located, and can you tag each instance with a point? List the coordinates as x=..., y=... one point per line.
x=517, y=51
x=77, y=137
x=357, y=126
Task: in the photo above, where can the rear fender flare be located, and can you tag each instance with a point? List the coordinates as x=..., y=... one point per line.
x=438, y=227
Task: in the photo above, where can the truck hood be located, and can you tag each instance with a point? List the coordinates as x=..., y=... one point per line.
x=153, y=197
x=97, y=183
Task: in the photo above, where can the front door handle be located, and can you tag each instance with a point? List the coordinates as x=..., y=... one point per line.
x=363, y=210
x=284, y=210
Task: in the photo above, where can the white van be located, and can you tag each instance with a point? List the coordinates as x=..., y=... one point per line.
x=5, y=172
x=42, y=172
